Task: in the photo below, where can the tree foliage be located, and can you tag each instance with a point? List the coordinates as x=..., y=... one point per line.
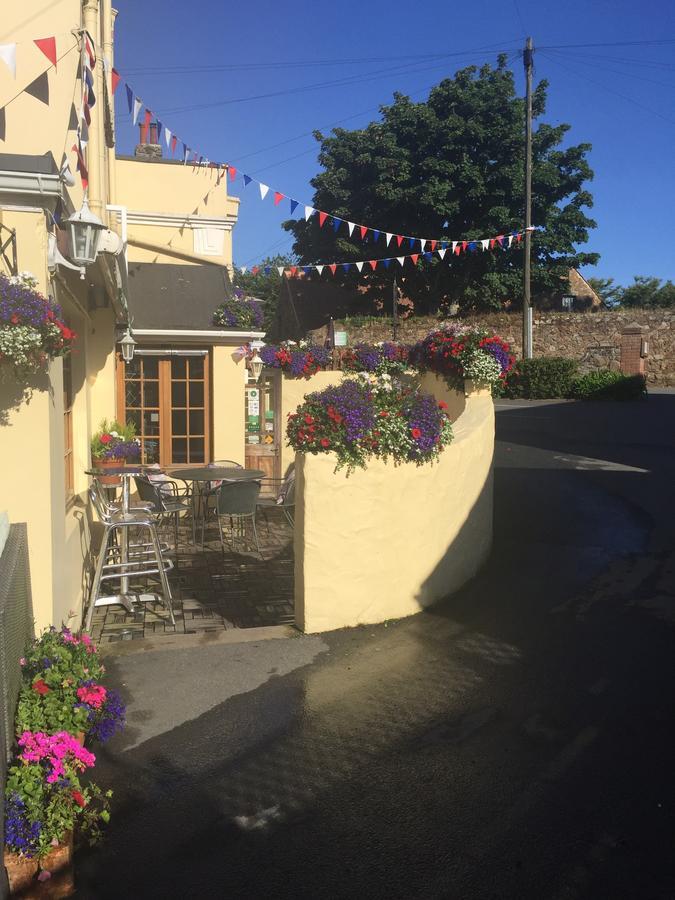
x=607, y=289
x=264, y=286
x=456, y=157
x=648, y=292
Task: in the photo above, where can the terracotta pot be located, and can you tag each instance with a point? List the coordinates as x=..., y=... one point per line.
x=21, y=872
x=114, y=463
x=59, y=863
x=79, y=737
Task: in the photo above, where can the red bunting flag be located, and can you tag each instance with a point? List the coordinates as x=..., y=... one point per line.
x=144, y=127
x=333, y=267
x=233, y=172
x=492, y=243
x=255, y=270
x=174, y=142
x=278, y=197
x=465, y=244
x=363, y=230
x=48, y=47
x=322, y=218
x=433, y=245
x=115, y=78
x=414, y=257
x=294, y=269
x=373, y=264
x=399, y=239
x=500, y=239
x=519, y=237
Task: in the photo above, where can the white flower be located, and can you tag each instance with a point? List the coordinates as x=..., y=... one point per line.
x=114, y=434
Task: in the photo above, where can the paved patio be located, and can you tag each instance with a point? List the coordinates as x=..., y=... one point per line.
x=214, y=589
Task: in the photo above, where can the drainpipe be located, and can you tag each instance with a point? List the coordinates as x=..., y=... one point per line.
x=90, y=22
x=108, y=15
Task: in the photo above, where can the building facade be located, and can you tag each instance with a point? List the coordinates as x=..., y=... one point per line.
x=163, y=267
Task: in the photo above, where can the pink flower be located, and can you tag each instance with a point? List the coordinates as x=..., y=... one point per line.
x=22, y=661
x=93, y=695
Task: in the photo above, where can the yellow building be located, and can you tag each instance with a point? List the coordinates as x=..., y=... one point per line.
x=162, y=267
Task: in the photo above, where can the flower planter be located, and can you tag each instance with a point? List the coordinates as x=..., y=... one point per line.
x=59, y=863
x=114, y=463
x=21, y=872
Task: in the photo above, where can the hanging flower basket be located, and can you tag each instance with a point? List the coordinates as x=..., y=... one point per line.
x=31, y=329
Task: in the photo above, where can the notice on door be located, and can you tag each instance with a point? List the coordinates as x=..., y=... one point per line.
x=254, y=402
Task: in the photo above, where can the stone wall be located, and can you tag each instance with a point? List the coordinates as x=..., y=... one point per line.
x=592, y=338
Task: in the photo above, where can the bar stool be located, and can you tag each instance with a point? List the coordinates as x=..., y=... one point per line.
x=127, y=559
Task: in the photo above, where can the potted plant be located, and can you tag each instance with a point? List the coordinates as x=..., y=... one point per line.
x=61, y=689
x=45, y=802
x=31, y=329
x=112, y=445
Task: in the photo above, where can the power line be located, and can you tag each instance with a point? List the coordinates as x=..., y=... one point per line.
x=651, y=43
x=594, y=65
x=599, y=84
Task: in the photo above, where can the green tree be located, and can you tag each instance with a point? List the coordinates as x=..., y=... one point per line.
x=265, y=284
x=607, y=289
x=648, y=291
x=456, y=157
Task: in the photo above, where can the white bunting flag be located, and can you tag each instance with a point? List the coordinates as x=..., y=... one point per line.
x=388, y=237
x=423, y=244
x=319, y=269
x=280, y=270
x=359, y=265
x=137, y=108
x=454, y=244
x=167, y=137
x=264, y=188
x=309, y=211
x=401, y=260
x=510, y=239
x=351, y=226
x=485, y=243
x=243, y=270
x=442, y=252
x=8, y=56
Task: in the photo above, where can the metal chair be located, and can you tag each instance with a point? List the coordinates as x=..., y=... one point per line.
x=164, y=505
x=209, y=489
x=283, y=498
x=127, y=559
x=236, y=501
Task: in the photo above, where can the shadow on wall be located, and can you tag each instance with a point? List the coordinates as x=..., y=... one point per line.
x=14, y=392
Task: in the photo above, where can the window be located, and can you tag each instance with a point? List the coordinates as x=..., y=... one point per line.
x=68, y=423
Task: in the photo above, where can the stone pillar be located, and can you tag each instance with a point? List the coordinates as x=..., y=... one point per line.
x=632, y=359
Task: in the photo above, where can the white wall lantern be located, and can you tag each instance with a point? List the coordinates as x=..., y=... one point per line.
x=127, y=345
x=255, y=365
x=84, y=231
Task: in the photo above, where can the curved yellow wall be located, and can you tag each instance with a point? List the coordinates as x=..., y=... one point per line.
x=390, y=540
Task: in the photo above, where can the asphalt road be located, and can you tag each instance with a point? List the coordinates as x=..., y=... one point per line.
x=515, y=742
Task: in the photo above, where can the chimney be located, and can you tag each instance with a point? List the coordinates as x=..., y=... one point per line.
x=149, y=146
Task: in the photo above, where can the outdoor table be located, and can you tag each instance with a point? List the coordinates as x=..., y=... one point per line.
x=126, y=473
x=199, y=475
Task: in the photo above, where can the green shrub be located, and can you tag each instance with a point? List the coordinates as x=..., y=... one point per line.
x=545, y=378
x=606, y=385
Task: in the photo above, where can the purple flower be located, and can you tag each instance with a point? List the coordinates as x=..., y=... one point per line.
x=268, y=354
x=236, y=312
x=21, y=834
x=109, y=719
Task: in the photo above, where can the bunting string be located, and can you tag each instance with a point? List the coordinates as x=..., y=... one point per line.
x=365, y=233
x=452, y=248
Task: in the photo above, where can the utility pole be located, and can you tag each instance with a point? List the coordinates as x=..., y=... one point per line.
x=528, y=54
x=394, y=310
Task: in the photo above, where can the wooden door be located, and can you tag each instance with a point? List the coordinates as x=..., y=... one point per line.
x=167, y=398
x=262, y=425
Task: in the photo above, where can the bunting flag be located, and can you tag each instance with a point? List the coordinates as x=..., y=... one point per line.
x=232, y=171
x=167, y=138
x=278, y=197
x=130, y=97
x=174, y=144
x=309, y=211
x=48, y=47
x=138, y=104
x=8, y=56
x=509, y=240
x=294, y=206
x=264, y=188
x=115, y=79
x=322, y=218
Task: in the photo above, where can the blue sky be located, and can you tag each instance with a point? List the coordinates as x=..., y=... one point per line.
x=217, y=56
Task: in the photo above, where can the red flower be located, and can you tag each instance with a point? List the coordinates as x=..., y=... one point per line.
x=308, y=420
x=15, y=319
x=78, y=798
x=40, y=687
x=442, y=404
x=325, y=442
x=106, y=438
x=384, y=413
x=416, y=433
